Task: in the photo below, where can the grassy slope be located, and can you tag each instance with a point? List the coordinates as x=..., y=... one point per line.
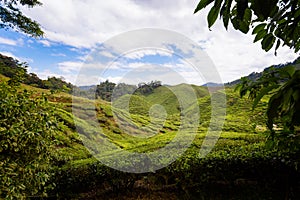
x=238, y=112
x=238, y=139
x=165, y=97
x=71, y=148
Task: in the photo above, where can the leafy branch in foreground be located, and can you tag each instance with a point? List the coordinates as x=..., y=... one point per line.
x=273, y=21
x=283, y=87
x=12, y=17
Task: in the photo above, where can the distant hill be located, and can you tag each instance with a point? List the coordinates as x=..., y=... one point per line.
x=256, y=75
x=87, y=87
x=211, y=84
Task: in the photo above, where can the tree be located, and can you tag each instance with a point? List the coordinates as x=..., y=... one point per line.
x=12, y=17
x=57, y=84
x=122, y=89
x=105, y=90
x=273, y=21
x=147, y=88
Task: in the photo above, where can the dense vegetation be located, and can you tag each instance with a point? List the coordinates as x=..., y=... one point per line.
x=109, y=91
x=240, y=163
x=11, y=68
x=27, y=126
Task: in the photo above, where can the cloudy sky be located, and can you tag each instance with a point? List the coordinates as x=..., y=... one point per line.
x=87, y=41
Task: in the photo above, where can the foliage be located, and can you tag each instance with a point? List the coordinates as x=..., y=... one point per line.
x=26, y=128
x=147, y=88
x=108, y=90
x=274, y=21
x=57, y=84
x=122, y=89
x=11, y=67
x=283, y=86
x=12, y=17
x=105, y=90
x=237, y=161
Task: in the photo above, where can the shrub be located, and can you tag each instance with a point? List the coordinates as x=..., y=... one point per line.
x=26, y=128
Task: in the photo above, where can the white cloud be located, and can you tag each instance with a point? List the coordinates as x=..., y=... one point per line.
x=91, y=22
x=20, y=59
x=7, y=41
x=114, y=79
x=84, y=79
x=69, y=66
x=85, y=23
x=138, y=54
x=44, y=74
x=107, y=54
x=46, y=43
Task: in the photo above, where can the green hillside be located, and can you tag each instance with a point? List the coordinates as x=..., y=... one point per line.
x=133, y=103
x=107, y=131
x=166, y=97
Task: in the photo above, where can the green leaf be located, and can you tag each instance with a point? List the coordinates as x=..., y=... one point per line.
x=296, y=95
x=212, y=16
x=288, y=70
x=268, y=42
x=273, y=105
x=235, y=23
x=297, y=14
x=248, y=15
x=281, y=21
x=286, y=99
x=262, y=93
x=274, y=11
x=241, y=7
x=225, y=16
x=259, y=28
x=277, y=46
x=225, y=12
x=243, y=26
x=218, y=4
x=202, y=4
x=260, y=35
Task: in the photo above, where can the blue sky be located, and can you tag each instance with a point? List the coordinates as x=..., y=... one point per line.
x=76, y=29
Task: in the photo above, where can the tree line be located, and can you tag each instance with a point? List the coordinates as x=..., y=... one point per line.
x=11, y=67
x=107, y=90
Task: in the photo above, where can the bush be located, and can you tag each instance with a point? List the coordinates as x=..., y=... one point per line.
x=26, y=128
